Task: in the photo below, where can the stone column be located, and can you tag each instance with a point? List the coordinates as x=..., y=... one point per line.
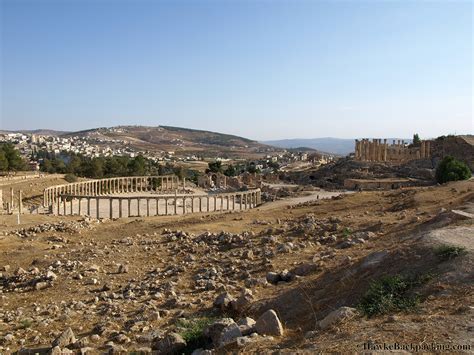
x=89, y=206
x=175, y=205
x=147, y=207
x=138, y=205
x=97, y=204
x=222, y=202
x=120, y=207
x=192, y=204
x=11, y=198
x=207, y=203
x=200, y=204
x=79, y=209
x=157, y=206
x=20, y=202
x=129, y=209
x=184, y=205
x=166, y=206
x=64, y=206
x=58, y=204
x=215, y=203
x=111, y=206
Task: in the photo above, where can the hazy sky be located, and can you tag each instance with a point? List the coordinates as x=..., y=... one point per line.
x=260, y=69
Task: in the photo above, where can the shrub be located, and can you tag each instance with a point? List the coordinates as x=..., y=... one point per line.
x=451, y=169
x=192, y=330
x=390, y=294
x=448, y=252
x=70, y=178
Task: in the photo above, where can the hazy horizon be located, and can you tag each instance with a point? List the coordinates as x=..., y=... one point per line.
x=261, y=70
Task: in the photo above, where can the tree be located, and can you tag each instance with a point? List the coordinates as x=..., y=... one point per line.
x=137, y=166
x=416, y=140
x=215, y=167
x=3, y=161
x=230, y=170
x=451, y=169
x=15, y=161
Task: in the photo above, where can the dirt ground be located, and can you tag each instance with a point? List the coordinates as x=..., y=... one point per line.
x=164, y=271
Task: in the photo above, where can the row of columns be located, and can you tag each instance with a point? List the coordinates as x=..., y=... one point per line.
x=397, y=151
x=71, y=205
x=12, y=203
x=112, y=186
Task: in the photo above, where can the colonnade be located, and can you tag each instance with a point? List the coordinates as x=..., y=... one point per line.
x=113, y=186
x=118, y=206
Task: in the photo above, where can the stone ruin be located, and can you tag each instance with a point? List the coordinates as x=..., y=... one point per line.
x=398, y=152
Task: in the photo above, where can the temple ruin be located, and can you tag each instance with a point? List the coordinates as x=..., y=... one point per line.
x=397, y=152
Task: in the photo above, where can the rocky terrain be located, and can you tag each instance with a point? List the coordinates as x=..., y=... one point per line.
x=286, y=278
x=332, y=175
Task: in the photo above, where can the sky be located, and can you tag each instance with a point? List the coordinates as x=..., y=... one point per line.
x=260, y=69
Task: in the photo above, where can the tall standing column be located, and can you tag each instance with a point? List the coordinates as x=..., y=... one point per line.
x=139, y=207
x=129, y=209
x=20, y=202
x=147, y=207
x=12, y=205
x=97, y=207
x=175, y=205
x=120, y=207
x=89, y=206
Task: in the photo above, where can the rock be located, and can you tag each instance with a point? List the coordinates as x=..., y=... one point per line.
x=245, y=298
x=56, y=350
x=228, y=335
x=337, y=316
x=273, y=277
x=41, y=285
x=8, y=338
x=224, y=301
x=269, y=324
x=214, y=330
x=172, y=343
x=51, y=275
x=66, y=338
x=286, y=276
x=304, y=269
x=247, y=326
x=123, y=269
x=20, y=271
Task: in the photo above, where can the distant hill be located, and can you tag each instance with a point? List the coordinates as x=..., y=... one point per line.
x=182, y=141
x=331, y=145
x=44, y=132
x=338, y=146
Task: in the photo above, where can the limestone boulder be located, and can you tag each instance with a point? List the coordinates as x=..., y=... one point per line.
x=337, y=316
x=269, y=324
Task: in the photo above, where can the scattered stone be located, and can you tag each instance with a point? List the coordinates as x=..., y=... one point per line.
x=337, y=316
x=269, y=324
x=172, y=343
x=66, y=338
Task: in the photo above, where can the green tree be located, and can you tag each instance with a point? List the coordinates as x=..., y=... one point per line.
x=15, y=161
x=451, y=169
x=3, y=161
x=137, y=166
x=230, y=170
x=215, y=167
x=416, y=140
